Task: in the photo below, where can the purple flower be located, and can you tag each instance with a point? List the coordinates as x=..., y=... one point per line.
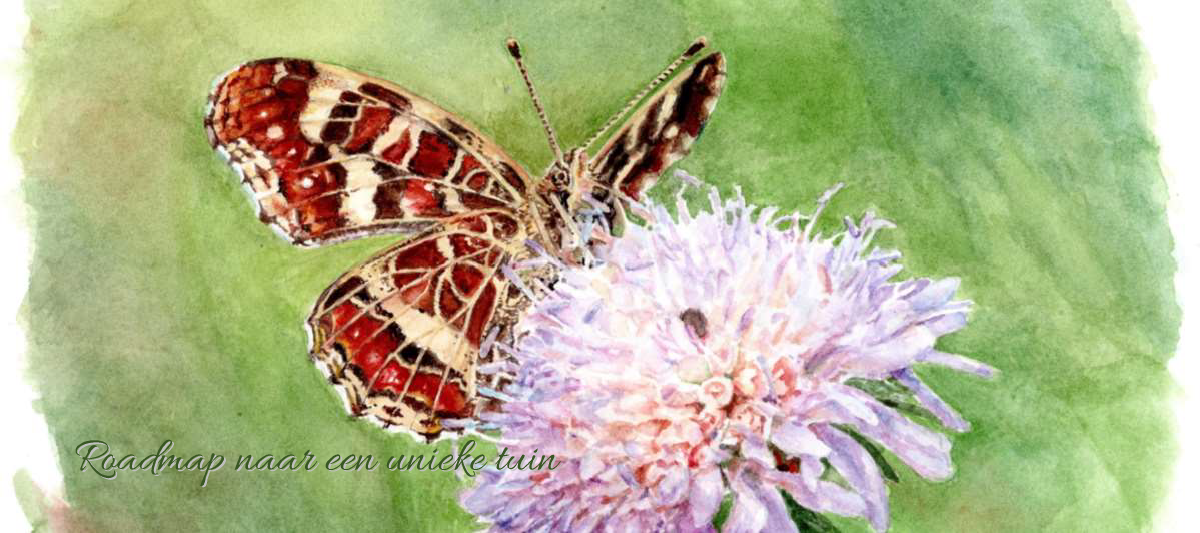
x=712, y=355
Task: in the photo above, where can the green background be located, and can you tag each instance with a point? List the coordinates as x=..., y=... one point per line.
x=1008, y=140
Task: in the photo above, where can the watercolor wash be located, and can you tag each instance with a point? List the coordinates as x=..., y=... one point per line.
x=1009, y=144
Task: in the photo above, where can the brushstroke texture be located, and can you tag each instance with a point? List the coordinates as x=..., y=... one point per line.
x=1008, y=140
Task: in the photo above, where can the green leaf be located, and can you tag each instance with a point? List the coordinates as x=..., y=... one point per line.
x=807, y=520
x=885, y=468
x=893, y=394
x=723, y=512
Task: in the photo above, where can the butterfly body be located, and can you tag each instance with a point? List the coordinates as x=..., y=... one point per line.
x=329, y=155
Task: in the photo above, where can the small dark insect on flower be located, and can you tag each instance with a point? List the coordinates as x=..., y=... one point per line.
x=695, y=321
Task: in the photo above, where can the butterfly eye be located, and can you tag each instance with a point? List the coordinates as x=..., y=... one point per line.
x=560, y=178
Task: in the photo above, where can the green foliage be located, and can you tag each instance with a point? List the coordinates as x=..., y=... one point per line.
x=806, y=520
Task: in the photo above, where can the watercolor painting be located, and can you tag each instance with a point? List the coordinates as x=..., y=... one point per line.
x=789, y=266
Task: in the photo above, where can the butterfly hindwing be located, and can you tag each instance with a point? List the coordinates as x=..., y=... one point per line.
x=660, y=133
x=401, y=333
x=329, y=154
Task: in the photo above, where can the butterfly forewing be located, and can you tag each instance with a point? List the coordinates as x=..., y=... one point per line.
x=329, y=154
x=661, y=132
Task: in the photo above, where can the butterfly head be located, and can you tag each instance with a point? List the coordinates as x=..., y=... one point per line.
x=561, y=191
x=564, y=174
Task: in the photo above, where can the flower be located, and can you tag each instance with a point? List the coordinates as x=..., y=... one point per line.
x=721, y=353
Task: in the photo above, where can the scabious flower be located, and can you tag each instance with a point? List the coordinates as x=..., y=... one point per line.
x=716, y=354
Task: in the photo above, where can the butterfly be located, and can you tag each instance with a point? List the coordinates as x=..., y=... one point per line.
x=329, y=155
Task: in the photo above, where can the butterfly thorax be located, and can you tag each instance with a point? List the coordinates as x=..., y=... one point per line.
x=569, y=216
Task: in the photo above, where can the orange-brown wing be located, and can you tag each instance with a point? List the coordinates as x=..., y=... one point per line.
x=401, y=333
x=660, y=132
x=328, y=154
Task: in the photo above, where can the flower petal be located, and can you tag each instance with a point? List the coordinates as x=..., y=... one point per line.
x=817, y=495
x=927, y=452
x=707, y=491
x=959, y=363
x=931, y=401
x=859, y=470
x=756, y=507
x=798, y=440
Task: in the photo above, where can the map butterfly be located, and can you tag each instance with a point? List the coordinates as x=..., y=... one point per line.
x=328, y=155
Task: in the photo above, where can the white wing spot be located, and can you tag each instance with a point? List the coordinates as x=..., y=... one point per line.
x=443, y=246
x=307, y=183
x=451, y=200
x=361, y=182
x=280, y=72
x=274, y=132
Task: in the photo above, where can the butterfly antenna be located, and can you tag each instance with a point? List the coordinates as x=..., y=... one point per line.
x=515, y=50
x=692, y=50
